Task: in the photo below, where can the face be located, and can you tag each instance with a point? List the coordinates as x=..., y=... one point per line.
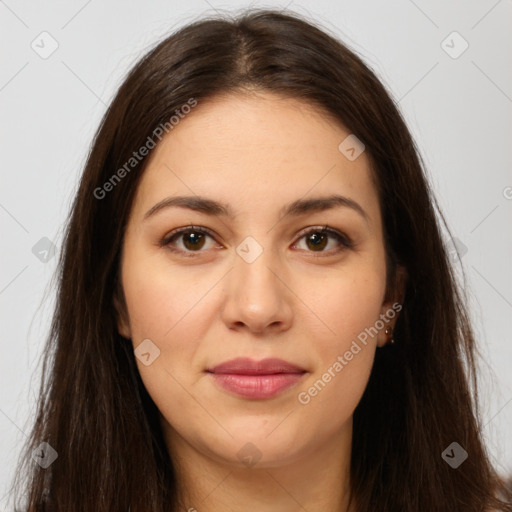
x=277, y=253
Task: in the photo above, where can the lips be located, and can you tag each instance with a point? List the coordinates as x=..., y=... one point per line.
x=249, y=378
x=246, y=366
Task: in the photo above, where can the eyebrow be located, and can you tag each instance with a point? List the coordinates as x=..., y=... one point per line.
x=296, y=208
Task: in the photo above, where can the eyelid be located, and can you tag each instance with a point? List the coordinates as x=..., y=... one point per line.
x=328, y=230
x=342, y=238
x=185, y=229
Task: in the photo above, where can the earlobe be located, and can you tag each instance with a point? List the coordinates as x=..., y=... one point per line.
x=391, y=308
x=388, y=318
x=123, y=326
x=123, y=329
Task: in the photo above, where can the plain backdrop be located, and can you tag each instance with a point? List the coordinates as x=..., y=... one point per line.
x=448, y=64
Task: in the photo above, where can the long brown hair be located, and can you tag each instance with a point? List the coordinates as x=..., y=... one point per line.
x=94, y=410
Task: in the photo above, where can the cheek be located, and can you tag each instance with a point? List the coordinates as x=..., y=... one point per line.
x=348, y=306
x=160, y=297
x=168, y=307
x=346, y=303
x=160, y=301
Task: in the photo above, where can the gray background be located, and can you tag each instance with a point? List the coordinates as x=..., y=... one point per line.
x=458, y=109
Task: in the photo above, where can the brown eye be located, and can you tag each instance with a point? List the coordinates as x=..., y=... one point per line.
x=317, y=239
x=187, y=240
x=193, y=240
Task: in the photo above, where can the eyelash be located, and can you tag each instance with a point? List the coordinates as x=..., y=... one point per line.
x=343, y=239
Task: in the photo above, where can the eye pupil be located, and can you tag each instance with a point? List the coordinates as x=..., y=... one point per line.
x=196, y=239
x=319, y=240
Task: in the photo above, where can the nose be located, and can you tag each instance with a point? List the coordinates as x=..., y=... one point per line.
x=258, y=297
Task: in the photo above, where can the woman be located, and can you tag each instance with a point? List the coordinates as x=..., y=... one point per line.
x=255, y=306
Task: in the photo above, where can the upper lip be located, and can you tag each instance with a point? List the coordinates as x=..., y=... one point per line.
x=247, y=366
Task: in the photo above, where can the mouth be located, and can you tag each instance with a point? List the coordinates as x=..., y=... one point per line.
x=253, y=379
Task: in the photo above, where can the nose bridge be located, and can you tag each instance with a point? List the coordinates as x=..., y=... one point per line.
x=252, y=271
x=257, y=296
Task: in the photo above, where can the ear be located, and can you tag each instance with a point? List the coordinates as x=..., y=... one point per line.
x=392, y=305
x=123, y=324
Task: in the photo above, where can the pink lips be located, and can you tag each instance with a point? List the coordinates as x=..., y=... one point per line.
x=256, y=379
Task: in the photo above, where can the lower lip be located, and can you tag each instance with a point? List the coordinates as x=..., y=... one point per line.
x=256, y=386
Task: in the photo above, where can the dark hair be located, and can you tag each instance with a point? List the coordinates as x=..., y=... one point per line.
x=421, y=395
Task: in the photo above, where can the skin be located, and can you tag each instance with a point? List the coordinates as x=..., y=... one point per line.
x=255, y=153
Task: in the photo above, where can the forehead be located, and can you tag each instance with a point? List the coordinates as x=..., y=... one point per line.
x=256, y=151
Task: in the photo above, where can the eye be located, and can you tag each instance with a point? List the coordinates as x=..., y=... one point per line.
x=191, y=239
x=317, y=239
